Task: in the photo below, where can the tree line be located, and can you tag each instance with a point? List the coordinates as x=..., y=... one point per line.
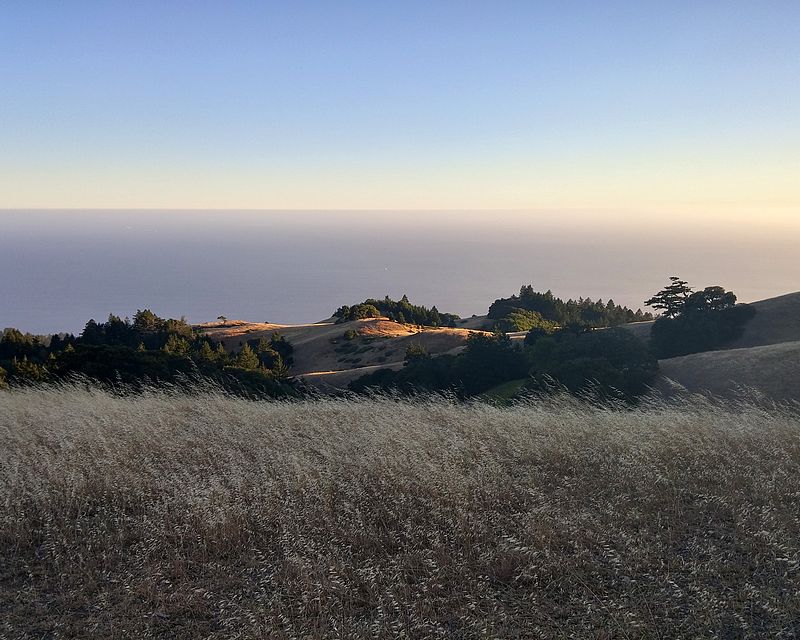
x=398, y=310
x=577, y=359
x=144, y=348
x=532, y=309
x=575, y=344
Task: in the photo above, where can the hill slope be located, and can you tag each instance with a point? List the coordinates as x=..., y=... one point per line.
x=777, y=320
x=323, y=356
x=766, y=357
x=773, y=370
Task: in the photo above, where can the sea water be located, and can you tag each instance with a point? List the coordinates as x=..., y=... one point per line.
x=60, y=268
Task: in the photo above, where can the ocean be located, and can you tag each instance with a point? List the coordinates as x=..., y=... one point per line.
x=60, y=268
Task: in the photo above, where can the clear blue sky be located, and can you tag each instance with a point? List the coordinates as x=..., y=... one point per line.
x=675, y=106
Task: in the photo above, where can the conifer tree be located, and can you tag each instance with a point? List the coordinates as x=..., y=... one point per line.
x=206, y=354
x=672, y=298
x=176, y=345
x=279, y=369
x=246, y=358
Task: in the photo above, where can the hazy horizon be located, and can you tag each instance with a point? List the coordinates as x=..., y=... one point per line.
x=287, y=267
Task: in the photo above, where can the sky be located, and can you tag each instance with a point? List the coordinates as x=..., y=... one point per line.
x=668, y=109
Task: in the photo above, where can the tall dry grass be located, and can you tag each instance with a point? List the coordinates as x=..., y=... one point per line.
x=178, y=516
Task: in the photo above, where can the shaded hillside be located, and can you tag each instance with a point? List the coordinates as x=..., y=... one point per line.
x=774, y=370
x=777, y=320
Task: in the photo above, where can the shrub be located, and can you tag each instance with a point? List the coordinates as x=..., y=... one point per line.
x=695, y=331
x=613, y=359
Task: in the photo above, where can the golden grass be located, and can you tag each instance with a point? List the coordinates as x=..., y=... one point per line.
x=180, y=516
x=315, y=345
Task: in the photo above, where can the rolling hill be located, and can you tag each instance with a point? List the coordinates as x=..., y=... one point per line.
x=765, y=358
x=323, y=356
x=777, y=320
x=772, y=370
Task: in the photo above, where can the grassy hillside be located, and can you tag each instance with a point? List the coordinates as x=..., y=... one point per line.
x=322, y=350
x=773, y=370
x=765, y=358
x=777, y=320
x=209, y=516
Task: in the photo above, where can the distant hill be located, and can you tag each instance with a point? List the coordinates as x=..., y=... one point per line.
x=766, y=357
x=772, y=369
x=330, y=354
x=777, y=320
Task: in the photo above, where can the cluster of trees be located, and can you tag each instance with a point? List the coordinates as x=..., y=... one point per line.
x=577, y=358
x=22, y=354
x=147, y=348
x=486, y=361
x=566, y=345
x=512, y=313
x=398, y=310
x=695, y=321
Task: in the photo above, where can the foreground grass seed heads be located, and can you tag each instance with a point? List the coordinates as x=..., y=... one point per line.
x=180, y=516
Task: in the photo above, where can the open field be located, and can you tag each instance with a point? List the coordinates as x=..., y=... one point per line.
x=175, y=516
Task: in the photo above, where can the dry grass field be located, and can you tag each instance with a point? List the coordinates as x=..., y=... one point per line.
x=207, y=516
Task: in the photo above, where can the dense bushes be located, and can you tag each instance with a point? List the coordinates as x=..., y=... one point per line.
x=487, y=360
x=147, y=348
x=524, y=320
x=698, y=331
x=584, y=312
x=696, y=321
x=398, y=310
x=613, y=361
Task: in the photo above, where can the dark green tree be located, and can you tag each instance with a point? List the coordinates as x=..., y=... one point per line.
x=703, y=321
x=611, y=359
x=416, y=351
x=672, y=298
x=710, y=299
x=246, y=358
x=145, y=321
